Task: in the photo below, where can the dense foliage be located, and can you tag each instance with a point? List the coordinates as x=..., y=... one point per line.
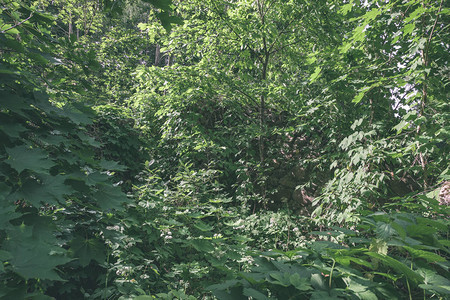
x=224, y=149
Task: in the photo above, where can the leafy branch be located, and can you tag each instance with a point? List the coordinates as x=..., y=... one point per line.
x=18, y=24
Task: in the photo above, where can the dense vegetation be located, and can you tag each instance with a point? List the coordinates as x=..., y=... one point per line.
x=224, y=149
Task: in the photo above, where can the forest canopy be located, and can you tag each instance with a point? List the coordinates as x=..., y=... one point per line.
x=224, y=149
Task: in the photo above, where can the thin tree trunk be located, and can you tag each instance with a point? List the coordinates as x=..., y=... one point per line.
x=426, y=62
x=70, y=24
x=157, y=54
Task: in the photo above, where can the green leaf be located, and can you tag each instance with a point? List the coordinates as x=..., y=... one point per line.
x=315, y=75
x=33, y=257
x=363, y=91
x=435, y=282
x=397, y=266
x=7, y=208
x=111, y=165
x=88, y=249
x=203, y=226
x=222, y=286
x=400, y=126
x=162, y=4
x=254, y=294
x=408, y=28
x=420, y=230
x=144, y=297
x=389, y=276
x=346, y=8
x=322, y=295
x=428, y=256
x=317, y=282
x=110, y=197
x=385, y=230
x=50, y=190
x=282, y=279
x=202, y=245
x=415, y=14
x=12, y=130
x=23, y=157
x=300, y=283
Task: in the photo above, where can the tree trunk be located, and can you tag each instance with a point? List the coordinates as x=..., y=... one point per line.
x=70, y=24
x=157, y=54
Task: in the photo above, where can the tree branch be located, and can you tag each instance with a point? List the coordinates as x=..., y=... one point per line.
x=18, y=24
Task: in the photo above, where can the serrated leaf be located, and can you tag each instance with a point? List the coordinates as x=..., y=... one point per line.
x=32, y=256
x=26, y=158
x=254, y=294
x=300, y=283
x=420, y=230
x=202, y=245
x=397, y=266
x=88, y=249
x=385, y=230
x=346, y=8
x=110, y=197
x=280, y=278
x=428, y=256
x=112, y=165
x=315, y=75
x=12, y=130
x=203, y=226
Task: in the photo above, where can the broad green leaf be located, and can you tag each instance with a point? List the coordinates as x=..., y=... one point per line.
x=111, y=165
x=315, y=75
x=345, y=260
x=32, y=256
x=385, y=230
x=435, y=282
x=222, y=286
x=23, y=157
x=317, y=281
x=408, y=28
x=389, y=276
x=428, y=256
x=415, y=14
x=300, y=283
x=202, y=245
x=432, y=223
x=400, y=126
x=7, y=207
x=363, y=91
x=12, y=130
x=282, y=279
x=346, y=8
x=144, y=297
x=442, y=289
x=420, y=230
x=203, y=226
x=88, y=249
x=322, y=295
x=397, y=266
x=110, y=197
x=254, y=294
x=50, y=190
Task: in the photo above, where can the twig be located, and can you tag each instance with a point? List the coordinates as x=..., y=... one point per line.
x=18, y=24
x=435, y=21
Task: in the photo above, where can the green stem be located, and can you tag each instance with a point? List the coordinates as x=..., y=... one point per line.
x=331, y=272
x=409, y=289
x=407, y=283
